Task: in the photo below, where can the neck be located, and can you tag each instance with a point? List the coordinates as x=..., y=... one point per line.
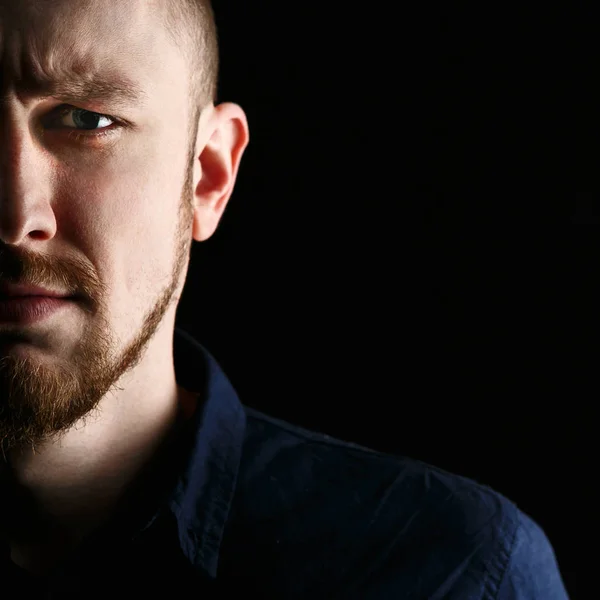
x=53, y=499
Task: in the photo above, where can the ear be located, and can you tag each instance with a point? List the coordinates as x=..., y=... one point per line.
x=222, y=138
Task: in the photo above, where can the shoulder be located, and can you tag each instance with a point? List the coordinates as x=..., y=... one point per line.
x=533, y=571
x=357, y=523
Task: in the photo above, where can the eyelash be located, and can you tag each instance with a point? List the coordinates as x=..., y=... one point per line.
x=77, y=134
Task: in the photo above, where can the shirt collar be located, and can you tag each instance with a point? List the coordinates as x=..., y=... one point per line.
x=202, y=497
x=195, y=483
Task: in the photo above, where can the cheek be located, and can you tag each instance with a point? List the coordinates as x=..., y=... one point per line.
x=122, y=216
x=120, y=208
x=133, y=198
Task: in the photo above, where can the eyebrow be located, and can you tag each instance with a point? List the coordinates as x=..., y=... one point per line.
x=114, y=89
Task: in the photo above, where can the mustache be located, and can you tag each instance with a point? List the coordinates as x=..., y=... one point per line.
x=21, y=266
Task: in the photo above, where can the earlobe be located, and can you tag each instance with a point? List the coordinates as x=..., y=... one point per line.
x=228, y=136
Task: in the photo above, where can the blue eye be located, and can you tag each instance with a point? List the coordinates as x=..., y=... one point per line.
x=84, y=125
x=84, y=119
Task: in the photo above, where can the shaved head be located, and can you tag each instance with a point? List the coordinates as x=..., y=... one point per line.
x=191, y=26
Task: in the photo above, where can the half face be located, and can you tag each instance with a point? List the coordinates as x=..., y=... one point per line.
x=95, y=192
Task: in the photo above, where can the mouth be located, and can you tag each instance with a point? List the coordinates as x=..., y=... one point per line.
x=24, y=290
x=5, y=297
x=27, y=310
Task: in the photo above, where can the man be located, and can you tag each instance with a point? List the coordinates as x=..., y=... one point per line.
x=129, y=467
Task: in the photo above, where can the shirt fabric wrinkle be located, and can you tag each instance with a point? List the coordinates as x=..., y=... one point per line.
x=244, y=503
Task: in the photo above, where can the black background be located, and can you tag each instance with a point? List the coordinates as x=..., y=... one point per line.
x=377, y=275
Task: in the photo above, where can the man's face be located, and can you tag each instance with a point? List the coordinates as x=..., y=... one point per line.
x=106, y=216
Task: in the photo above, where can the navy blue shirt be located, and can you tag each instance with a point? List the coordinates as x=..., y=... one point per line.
x=244, y=504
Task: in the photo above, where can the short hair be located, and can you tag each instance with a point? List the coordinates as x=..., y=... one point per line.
x=192, y=27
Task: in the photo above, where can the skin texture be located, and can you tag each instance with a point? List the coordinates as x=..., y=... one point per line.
x=88, y=395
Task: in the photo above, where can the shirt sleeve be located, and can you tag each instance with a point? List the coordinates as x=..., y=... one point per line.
x=532, y=572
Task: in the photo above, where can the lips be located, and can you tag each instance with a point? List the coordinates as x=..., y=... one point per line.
x=10, y=290
x=25, y=311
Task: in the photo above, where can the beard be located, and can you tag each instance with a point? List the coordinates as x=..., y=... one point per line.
x=40, y=400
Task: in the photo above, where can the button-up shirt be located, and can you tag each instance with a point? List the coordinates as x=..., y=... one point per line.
x=244, y=505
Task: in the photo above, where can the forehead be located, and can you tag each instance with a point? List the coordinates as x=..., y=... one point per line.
x=48, y=40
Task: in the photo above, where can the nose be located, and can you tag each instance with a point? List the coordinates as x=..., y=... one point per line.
x=25, y=208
